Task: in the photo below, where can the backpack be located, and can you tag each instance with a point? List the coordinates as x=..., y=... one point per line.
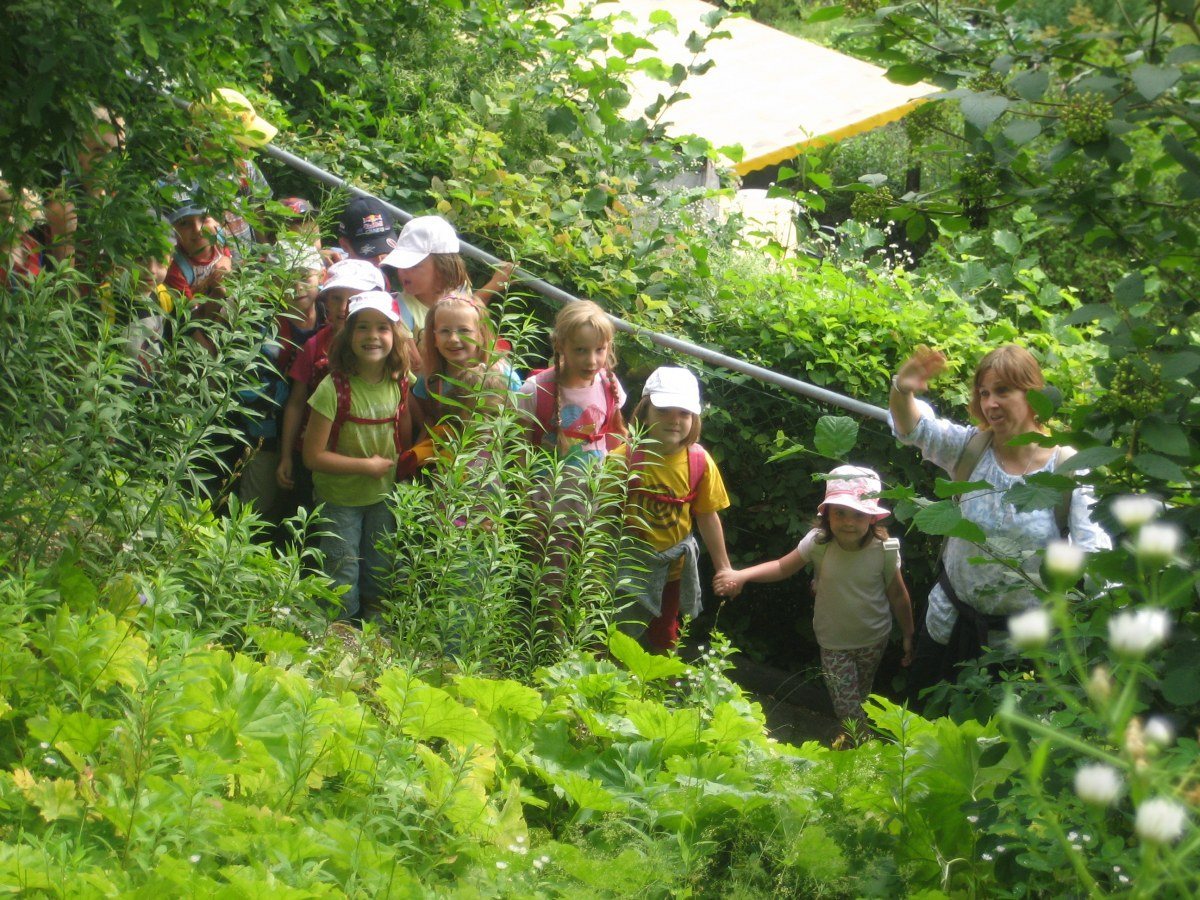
x=891, y=559
x=400, y=421
x=543, y=394
x=697, y=467
x=973, y=451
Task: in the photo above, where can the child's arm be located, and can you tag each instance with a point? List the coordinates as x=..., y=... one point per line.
x=897, y=594
x=293, y=415
x=497, y=284
x=786, y=566
x=711, y=530
x=319, y=458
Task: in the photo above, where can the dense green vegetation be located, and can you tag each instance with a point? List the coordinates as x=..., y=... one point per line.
x=178, y=716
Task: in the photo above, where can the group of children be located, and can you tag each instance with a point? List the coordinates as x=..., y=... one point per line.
x=384, y=337
x=364, y=433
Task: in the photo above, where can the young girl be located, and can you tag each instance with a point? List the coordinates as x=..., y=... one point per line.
x=342, y=281
x=858, y=586
x=460, y=371
x=673, y=482
x=362, y=422
x=574, y=407
x=426, y=259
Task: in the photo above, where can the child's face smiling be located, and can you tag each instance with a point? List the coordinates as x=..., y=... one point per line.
x=670, y=427
x=584, y=354
x=371, y=341
x=457, y=336
x=849, y=526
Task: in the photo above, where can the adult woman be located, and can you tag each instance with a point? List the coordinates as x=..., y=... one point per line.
x=972, y=600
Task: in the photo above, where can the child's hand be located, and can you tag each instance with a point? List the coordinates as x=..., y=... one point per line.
x=283, y=473
x=727, y=584
x=907, y=658
x=378, y=466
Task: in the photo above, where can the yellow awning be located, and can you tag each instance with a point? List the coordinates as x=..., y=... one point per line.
x=769, y=92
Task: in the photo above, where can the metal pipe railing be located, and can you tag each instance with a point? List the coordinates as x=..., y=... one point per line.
x=712, y=357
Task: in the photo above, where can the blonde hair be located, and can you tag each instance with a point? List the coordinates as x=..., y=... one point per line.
x=450, y=270
x=639, y=416
x=1013, y=365
x=571, y=319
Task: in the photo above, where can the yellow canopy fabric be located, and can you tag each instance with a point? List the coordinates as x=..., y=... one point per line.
x=768, y=91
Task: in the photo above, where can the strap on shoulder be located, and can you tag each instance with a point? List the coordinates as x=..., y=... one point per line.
x=971, y=453
x=341, y=390
x=1062, y=509
x=891, y=558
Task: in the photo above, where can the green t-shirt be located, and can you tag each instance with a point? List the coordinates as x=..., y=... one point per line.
x=367, y=401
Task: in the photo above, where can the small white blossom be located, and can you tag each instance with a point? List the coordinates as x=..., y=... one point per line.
x=1158, y=543
x=194, y=858
x=1133, y=510
x=1136, y=633
x=1064, y=560
x=1159, y=732
x=1030, y=629
x=1098, y=783
x=972, y=819
x=1099, y=686
x=501, y=865
x=44, y=745
x=1124, y=879
x=987, y=857
x=50, y=761
x=1160, y=821
x=537, y=863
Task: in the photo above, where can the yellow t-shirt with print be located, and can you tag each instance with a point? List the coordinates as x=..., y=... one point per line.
x=662, y=524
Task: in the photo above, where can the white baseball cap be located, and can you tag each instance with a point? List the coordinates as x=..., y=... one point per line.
x=356, y=274
x=380, y=301
x=420, y=237
x=671, y=387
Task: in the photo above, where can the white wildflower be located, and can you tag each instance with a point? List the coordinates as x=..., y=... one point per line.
x=537, y=863
x=1064, y=560
x=987, y=857
x=1099, y=686
x=50, y=761
x=1136, y=633
x=194, y=858
x=1030, y=629
x=1133, y=510
x=1159, y=732
x=972, y=819
x=1158, y=543
x=1160, y=821
x=1098, y=783
x=501, y=865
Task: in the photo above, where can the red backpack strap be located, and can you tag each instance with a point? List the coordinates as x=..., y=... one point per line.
x=402, y=429
x=544, y=388
x=697, y=466
x=341, y=389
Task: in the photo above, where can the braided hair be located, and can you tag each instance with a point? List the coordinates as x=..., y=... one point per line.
x=571, y=319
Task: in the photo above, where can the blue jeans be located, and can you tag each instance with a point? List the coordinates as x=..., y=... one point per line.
x=351, y=557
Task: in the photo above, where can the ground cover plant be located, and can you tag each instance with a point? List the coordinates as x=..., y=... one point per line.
x=178, y=715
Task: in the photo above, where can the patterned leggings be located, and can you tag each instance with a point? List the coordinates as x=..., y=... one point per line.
x=848, y=677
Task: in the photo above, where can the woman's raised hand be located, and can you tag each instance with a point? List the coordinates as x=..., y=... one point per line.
x=919, y=369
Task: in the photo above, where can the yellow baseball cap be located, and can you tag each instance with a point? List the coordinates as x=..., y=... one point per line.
x=255, y=130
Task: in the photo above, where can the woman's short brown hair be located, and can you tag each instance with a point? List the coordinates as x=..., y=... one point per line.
x=1013, y=365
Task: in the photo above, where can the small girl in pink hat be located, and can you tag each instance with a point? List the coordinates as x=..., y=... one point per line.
x=857, y=583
